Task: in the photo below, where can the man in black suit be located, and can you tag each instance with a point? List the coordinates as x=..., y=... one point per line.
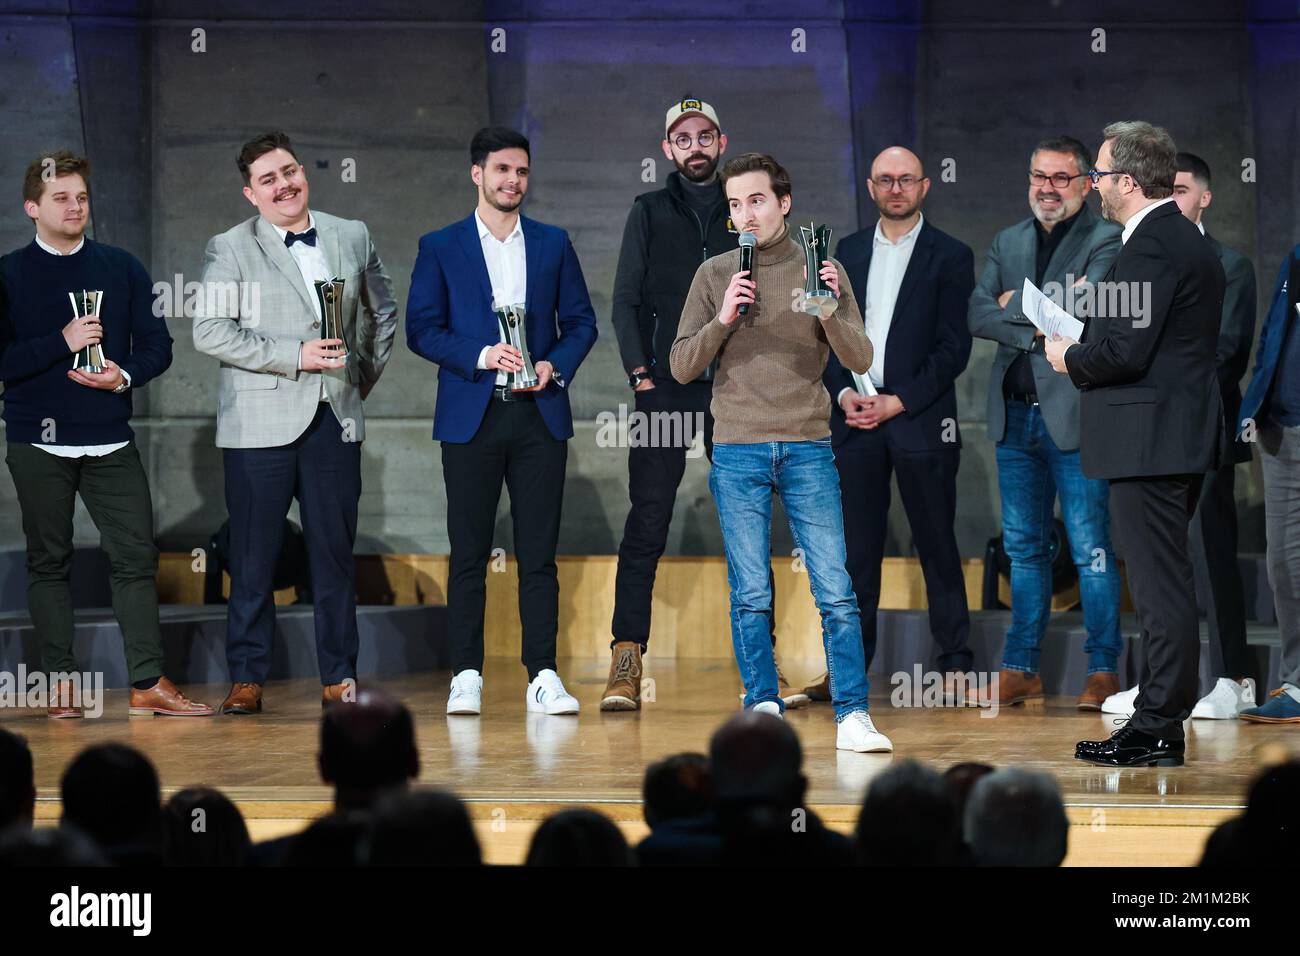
x=1151, y=418
x=1213, y=534
x=914, y=283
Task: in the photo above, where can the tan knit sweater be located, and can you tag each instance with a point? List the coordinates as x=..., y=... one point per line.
x=768, y=383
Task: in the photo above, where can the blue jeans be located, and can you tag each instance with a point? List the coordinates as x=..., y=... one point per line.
x=1031, y=472
x=803, y=473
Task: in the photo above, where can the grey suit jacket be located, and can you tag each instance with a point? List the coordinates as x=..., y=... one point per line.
x=1087, y=250
x=256, y=313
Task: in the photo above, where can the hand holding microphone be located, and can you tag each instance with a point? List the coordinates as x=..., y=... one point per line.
x=740, y=292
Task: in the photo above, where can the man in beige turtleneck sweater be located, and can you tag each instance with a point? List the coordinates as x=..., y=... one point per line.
x=772, y=434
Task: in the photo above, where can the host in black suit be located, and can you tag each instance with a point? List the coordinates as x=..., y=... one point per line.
x=1151, y=418
x=914, y=283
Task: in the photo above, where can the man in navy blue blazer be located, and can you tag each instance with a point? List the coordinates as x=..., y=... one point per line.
x=489, y=431
x=914, y=283
x=1270, y=415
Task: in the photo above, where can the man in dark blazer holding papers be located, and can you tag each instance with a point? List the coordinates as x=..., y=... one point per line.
x=1151, y=418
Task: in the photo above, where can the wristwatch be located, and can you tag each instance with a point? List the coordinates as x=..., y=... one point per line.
x=636, y=378
x=122, y=386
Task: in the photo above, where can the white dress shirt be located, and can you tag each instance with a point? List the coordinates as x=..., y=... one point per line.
x=311, y=263
x=507, y=266
x=1138, y=216
x=79, y=451
x=1201, y=226
x=884, y=278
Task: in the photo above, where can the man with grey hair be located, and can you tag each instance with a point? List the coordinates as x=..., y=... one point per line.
x=1016, y=818
x=1033, y=416
x=1151, y=418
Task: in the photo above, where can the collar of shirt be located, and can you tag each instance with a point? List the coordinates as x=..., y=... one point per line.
x=55, y=252
x=484, y=231
x=282, y=232
x=909, y=236
x=1138, y=216
x=1201, y=226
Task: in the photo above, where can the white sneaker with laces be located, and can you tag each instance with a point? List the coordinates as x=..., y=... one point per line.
x=857, y=733
x=1123, y=703
x=546, y=695
x=1226, y=700
x=768, y=707
x=466, y=693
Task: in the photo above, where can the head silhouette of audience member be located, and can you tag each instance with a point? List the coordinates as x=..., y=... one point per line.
x=1270, y=827
x=110, y=793
x=17, y=782
x=203, y=828
x=367, y=748
x=335, y=840
x=677, y=788
x=1016, y=818
x=756, y=759
x=579, y=838
x=49, y=846
x=908, y=818
x=422, y=828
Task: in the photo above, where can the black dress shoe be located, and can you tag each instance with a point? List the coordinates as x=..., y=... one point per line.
x=1127, y=747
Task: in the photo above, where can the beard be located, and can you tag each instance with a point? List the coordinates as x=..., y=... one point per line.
x=1051, y=215
x=698, y=174
x=905, y=213
x=502, y=203
x=1107, y=210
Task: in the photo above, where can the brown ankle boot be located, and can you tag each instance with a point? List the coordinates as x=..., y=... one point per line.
x=623, y=689
x=820, y=691
x=245, y=698
x=1018, y=687
x=1099, y=686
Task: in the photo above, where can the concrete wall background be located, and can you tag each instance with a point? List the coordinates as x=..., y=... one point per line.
x=399, y=86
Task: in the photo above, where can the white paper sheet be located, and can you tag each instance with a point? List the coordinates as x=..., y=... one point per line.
x=1047, y=316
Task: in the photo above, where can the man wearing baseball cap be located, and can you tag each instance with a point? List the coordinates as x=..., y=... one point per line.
x=669, y=232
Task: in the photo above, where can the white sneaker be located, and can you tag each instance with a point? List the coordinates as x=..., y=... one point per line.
x=1123, y=703
x=466, y=693
x=1226, y=700
x=857, y=733
x=546, y=695
x=768, y=707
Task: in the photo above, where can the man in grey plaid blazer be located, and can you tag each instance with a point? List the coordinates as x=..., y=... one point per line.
x=289, y=415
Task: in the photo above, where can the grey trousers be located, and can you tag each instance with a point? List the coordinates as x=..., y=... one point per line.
x=1280, y=456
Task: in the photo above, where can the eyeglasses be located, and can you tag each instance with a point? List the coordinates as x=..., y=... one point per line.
x=1096, y=174
x=904, y=183
x=683, y=140
x=1059, y=180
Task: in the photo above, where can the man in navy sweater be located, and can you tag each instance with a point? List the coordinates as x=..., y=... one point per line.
x=69, y=430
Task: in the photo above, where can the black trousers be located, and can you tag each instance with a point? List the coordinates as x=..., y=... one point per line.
x=654, y=473
x=1149, y=519
x=322, y=469
x=512, y=445
x=927, y=483
x=115, y=491
x=1214, y=551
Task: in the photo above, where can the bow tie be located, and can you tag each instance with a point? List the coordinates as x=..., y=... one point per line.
x=308, y=237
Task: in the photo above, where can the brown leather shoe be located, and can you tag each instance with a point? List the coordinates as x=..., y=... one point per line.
x=623, y=689
x=820, y=691
x=63, y=702
x=961, y=689
x=337, y=693
x=244, y=698
x=1018, y=688
x=1099, y=686
x=165, y=700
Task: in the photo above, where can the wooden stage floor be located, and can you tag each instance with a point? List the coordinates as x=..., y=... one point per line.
x=514, y=768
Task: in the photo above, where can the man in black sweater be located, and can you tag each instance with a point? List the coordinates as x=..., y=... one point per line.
x=669, y=232
x=68, y=430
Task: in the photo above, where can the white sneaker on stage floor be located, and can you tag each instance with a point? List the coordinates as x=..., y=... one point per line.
x=1226, y=700
x=466, y=693
x=768, y=707
x=546, y=695
x=1123, y=703
x=857, y=733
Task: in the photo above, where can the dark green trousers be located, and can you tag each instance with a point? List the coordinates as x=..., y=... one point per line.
x=116, y=493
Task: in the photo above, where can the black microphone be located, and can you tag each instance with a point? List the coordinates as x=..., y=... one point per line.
x=747, y=243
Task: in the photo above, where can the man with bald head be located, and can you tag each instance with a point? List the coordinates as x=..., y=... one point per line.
x=900, y=417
